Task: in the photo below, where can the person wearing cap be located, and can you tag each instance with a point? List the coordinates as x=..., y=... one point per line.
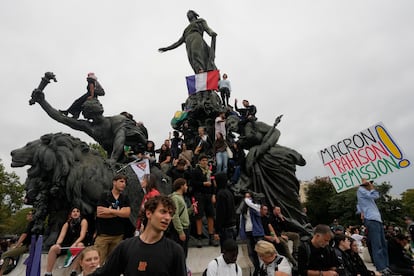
x=371, y=216
x=94, y=89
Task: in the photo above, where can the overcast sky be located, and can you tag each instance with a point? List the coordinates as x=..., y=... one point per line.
x=333, y=68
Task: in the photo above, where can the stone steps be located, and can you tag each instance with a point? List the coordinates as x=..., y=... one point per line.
x=197, y=261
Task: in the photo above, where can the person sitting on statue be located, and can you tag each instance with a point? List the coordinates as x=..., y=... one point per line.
x=176, y=143
x=248, y=112
x=94, y=89
x=200, y=55
x=112, y=132
x=164, y=158
x=204, y=145
x=72, y=234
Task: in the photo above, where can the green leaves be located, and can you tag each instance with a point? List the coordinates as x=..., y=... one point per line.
x=11, y=198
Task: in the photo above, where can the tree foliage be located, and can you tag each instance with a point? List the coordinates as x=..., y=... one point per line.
x=100, y=149
x=407, y=199
x=324, y=204
x=11, y=198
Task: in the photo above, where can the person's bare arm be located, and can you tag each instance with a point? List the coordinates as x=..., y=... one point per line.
x=103, y=212
x=91, y=89
x=62, y=234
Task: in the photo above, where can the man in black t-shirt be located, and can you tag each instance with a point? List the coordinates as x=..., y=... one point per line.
x=316, y=257
x=22, y=245
x=150, y=253
x=271, y=235
x=112, y=214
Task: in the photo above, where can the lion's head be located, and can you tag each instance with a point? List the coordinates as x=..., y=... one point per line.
x=66, y=172
x=60, y=165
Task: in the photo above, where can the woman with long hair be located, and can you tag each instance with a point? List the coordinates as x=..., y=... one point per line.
x=72, y=234
x=357, y=263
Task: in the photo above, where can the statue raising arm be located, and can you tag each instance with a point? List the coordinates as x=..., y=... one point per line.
x=39, y=97
x=108, y=132
x=200, y=55
x=172, y=46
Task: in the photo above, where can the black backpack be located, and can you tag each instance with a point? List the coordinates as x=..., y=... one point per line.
x=263, y=272
x=205, y=270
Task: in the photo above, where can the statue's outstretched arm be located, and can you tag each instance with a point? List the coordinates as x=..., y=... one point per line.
x=172, y=46
x=58, y=116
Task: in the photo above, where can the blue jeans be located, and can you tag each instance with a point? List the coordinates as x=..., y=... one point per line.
x=221, y=161
x=379, y=248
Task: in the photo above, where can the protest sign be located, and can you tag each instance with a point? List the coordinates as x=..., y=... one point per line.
x=370, y=154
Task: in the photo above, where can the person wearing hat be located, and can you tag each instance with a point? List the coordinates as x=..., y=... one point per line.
x=94, y=89
x=371, y=216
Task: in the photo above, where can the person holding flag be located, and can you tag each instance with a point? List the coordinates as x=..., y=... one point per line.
x=71, y=235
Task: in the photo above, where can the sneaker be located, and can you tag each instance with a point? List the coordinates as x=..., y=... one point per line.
x=64, y=112
x=388, y=272
x=199, y=243
x=213, y=242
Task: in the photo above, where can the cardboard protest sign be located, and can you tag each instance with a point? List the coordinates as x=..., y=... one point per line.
x=370, y=154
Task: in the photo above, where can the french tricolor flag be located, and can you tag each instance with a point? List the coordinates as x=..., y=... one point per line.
x=203, y=81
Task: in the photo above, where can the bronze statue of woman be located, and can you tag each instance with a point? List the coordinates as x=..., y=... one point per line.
x=200, y=55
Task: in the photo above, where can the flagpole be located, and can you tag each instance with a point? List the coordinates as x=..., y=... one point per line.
x=130, y=163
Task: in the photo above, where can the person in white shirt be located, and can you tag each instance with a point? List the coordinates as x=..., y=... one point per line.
x=271, y=263
x=225, y=264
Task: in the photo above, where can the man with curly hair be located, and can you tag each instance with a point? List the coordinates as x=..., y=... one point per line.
x=150, y=253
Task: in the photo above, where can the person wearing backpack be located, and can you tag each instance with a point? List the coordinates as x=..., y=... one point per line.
x=342, y=245
x=315, y=256
x=271, y=263
x=225, y=264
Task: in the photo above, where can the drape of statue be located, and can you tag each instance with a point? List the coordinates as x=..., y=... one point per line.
x=200, y=55
x=270, y=168
x=112, y=133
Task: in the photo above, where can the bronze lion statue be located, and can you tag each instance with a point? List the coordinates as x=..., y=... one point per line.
x=65, y=172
